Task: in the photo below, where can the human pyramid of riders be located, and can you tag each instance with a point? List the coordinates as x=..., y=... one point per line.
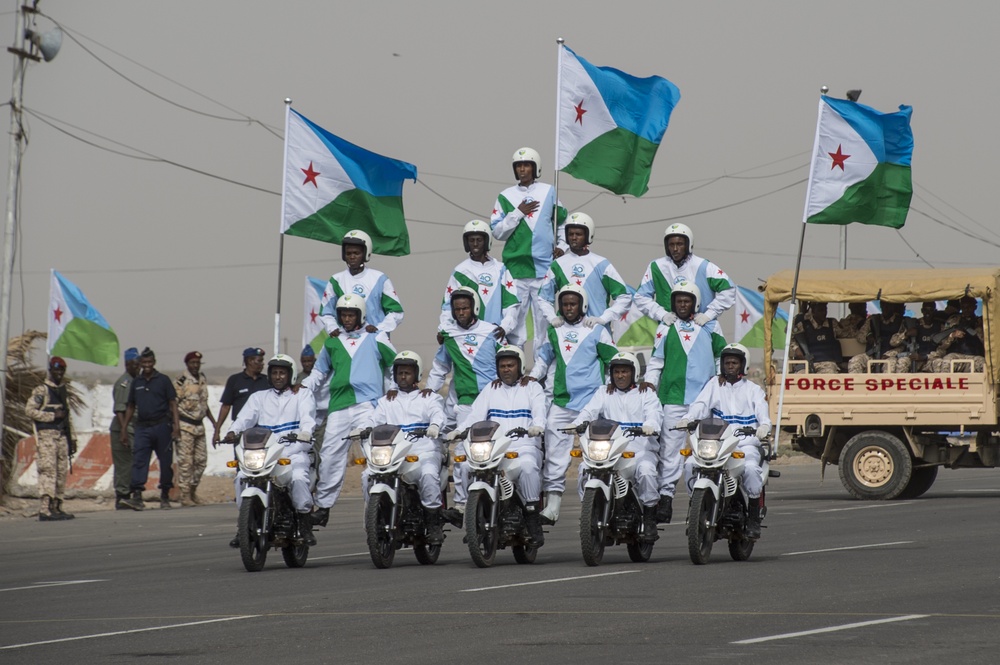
x=482, y=334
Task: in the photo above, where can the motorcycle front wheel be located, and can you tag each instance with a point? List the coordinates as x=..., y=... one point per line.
x=701, y=533
x=740, y=549
x=253, y=542
x=381, y=544
x=427, y=554
x=483, y=542
x=295, y=555
x=591, y=527
x=525, y=553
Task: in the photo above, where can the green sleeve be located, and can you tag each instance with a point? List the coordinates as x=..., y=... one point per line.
x=613, y=287
x=718, y=343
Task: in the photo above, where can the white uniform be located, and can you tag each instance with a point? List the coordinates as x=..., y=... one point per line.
x=741, y=403
x=283, y=413
x=413, y=411
x=515, y=406
x=629, y=409
x=382, y=307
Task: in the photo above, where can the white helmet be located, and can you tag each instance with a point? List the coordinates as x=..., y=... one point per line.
x=584, y=220
x=511, y=351
x=466, y=292
x=737, y=350
x=626, y=358
x=689, y=288
x=679, y=230
x=357, y=237
x=408, y=358
x=281, y=360
x=578, y=290
x=527, y=155
x=352, y=301
x=477, y=226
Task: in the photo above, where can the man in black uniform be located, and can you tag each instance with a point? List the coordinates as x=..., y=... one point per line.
x=814, y=338
x=918, y=338
x=962, y=340
x=153, y=400
x=240, y=386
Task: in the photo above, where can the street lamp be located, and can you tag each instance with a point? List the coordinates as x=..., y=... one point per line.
x=33, y=46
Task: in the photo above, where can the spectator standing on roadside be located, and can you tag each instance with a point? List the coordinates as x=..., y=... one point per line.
x=240, y=386
x=48, y=408
x=121, y=453
x=192, y=407
x=153, y=400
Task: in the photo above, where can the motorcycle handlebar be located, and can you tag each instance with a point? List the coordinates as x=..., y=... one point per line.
x=517, y=432
x=363, y=434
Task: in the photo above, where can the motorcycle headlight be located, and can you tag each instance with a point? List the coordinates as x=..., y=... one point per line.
x=253, y=460
x=381, y=455
x=480, y=451
x=708, y=449
x=599, y=450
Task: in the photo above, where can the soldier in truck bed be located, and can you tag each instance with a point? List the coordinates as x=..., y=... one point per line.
x=917, y=336
x=850, y=325
x=814, y=338
x=876, y=334
x=962, y=340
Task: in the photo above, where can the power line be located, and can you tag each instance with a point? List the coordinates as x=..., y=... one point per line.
x=971, y=219
x=954, y=228
x=915, y=252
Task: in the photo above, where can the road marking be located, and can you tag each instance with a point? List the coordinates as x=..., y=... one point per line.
x=853, y=547
x=46, y=585
x=337, y=556
x=993, y=490
x=894, y=504
x=832, y=629
x=126, y=632
x=561, y=579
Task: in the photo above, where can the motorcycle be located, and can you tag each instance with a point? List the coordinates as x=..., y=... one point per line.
x=394, y=516
x=494, y=512
x=719, y=504
x=267, y=517
x=611, y=513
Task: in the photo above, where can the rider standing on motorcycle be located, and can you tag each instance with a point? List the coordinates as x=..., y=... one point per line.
x=412, y=409
x=514, y=402
x=355, y=361
x=578, y=355
x=284, y=412
x=626, y=405
x=682, y=362
x=739, y=402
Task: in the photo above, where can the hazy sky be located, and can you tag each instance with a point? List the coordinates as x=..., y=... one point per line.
x=181, y=261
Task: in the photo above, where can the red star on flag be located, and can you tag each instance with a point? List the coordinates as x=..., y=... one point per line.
x=494, y=211
x=58, y=314
x=745, y=316
x=310, y=176
x=720, y=271
x=312, y=316
x=838, y=159
x=579, y=112
x=510, y=285
x=449, y=289
x=687, y=338
x=486, y=291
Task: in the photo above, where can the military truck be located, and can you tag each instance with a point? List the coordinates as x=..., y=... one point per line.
x=889, y=433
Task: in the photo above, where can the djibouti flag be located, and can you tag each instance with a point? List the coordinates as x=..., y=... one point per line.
x=610, y=123
x=77, y=330
x=331, y=187
x=860, y=169
x=750, y=320
x=313, y=333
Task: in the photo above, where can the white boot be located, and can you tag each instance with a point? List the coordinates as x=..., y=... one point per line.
x=553, y=500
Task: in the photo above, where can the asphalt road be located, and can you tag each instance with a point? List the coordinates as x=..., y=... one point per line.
x=833, y=580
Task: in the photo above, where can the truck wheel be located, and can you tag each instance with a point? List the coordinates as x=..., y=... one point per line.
x=920, y=481
x=875, y=465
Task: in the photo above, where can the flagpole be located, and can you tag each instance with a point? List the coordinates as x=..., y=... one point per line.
x=795, y=280
x=281, y=224
x=555, y=162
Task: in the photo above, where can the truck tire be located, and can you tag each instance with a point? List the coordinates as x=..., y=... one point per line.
x=875, y=465
x=920, y=481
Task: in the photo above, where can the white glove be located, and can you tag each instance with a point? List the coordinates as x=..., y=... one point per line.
x=557, y=321
x=682, y=423
x=354, y=432
x=701, y=319
x=432, y=432
x=535, y=430
x=648, y=430
x=668, y=318
x=451, y=436
x=592, y=321
x=763, y=431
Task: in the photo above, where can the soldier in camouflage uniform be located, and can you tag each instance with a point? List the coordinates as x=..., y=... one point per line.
x=814, y=338
x=55, y=442
x=850, y=325
x=877, y=334
x=191, y=453
x=963, y=342
x=918, y=336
